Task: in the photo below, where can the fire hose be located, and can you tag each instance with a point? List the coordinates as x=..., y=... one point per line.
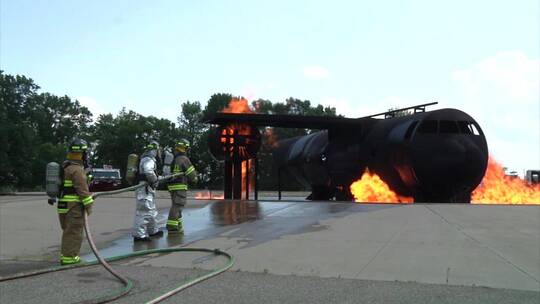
x=128, y=285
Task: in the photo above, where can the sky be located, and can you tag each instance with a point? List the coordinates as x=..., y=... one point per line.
x=362, y=57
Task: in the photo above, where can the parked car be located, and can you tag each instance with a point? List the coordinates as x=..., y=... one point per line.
x=104, y=179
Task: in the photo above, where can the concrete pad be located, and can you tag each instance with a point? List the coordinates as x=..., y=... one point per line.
x=491, y=246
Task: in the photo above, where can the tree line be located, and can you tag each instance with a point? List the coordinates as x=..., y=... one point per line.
x=36, y=127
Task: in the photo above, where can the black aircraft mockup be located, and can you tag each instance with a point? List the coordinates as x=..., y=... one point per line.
x=432, y=156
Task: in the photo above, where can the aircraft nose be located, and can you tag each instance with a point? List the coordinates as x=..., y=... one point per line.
x=454, y=165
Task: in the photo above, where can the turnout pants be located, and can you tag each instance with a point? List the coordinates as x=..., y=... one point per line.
x=178, y=201
x=72, y=224
x=145, y=222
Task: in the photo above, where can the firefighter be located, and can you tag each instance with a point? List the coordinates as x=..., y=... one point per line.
x=75, y=198
x=145, y=224
x=178, y=186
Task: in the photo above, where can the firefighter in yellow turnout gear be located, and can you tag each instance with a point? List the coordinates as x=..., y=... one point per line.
x=179, y=186
x=75, y=198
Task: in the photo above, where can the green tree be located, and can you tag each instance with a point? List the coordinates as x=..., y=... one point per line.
x=129, y=132
x=189, y=122
x=16, y=131
x=216, y=103
x=191, y=128
x=30, y=122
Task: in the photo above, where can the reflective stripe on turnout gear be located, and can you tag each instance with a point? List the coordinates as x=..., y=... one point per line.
x=177, y=170
x=173, y=222
x=175, y=226
x=65, y=260
x=87, y=200
x=74, y=186
x=62, y=207
x=176, y=187
x=69, y=198
x=72, y=198
x=190, y=170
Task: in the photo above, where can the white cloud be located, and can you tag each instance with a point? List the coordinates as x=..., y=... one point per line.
x=502, y=93
x=511, y=74
x=315, y=72
x=92, y=105
x=343, y=106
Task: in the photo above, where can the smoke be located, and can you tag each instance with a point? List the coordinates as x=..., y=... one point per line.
x=502, y=93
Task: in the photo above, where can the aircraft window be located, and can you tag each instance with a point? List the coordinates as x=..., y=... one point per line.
x=464, y=127
x=448, y=126
x=474, y=129
x=467, y=127
x=410, y=130
x=428, y=126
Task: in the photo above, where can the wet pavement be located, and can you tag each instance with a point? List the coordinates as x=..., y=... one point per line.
x=209, y=218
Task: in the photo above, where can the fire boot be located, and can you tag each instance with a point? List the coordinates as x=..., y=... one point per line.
x=175, y=226
x=65, y=260
x=142, y=239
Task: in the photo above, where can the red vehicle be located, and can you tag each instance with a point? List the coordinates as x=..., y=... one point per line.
x=105, y=179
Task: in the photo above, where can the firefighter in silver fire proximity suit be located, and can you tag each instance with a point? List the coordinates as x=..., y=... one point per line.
x=145, y=224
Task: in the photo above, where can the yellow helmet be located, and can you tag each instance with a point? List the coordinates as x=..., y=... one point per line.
x=181, y=145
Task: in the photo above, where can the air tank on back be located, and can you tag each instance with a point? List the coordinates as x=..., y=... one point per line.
x=53, y=180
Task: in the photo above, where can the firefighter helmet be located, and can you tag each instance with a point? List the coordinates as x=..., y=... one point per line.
x=182, y=144
x=152, y=145
x=78, y=145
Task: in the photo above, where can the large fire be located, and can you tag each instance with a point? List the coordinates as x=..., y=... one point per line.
x=248, y=178
x=370, y=188
x=238, y=105
x=498, y=188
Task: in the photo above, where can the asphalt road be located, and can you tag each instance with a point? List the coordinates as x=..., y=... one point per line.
x=77, y=286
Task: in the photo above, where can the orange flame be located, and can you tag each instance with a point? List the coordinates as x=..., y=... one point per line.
x=207, y=194
x=498, y=188
x=244, y=178
x=370, y=188
x=248, y=177
x=238, y=105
